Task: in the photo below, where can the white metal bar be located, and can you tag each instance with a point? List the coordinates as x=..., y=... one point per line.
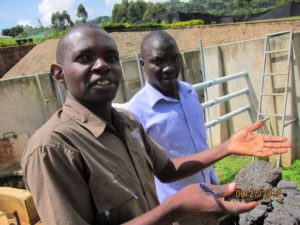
x=202, y=64
x=285, y=92
x=221, y=80
x=277, y=51
x=270, y=114
x=279, y=33
x=289, y=122
x=140, y=71
x=272, y=94
x=274, y=74
x=224, y=98
x=227, y=116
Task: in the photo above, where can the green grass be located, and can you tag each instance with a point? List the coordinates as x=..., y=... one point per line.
x=11, y=42
x=227, y=168
x=292, y=173
x=7, y=42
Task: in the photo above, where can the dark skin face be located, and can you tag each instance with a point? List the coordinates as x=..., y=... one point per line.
x=90, y=69
x=162, y=64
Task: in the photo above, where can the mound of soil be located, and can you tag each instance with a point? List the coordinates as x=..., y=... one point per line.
x=40, y=58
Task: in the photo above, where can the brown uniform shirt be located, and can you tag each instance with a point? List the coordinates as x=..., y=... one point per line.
x=81, y=170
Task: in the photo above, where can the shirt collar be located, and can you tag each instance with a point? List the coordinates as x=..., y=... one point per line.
x=85, y=118
x=154, y=96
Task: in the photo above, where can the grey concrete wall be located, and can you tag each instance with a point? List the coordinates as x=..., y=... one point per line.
x=248, y=56
x=26, y=103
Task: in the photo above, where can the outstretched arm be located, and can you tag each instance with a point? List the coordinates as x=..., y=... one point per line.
x=244, y=142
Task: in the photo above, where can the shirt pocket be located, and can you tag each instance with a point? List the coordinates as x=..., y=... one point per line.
x=117, y=199
x=114, y=191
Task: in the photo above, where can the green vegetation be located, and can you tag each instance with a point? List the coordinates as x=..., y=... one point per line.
x=139, y=14
x=111, y=26
x=141, y=11
x=187, y=23
x=5, y=42
x=292, y=173
x=227, y=168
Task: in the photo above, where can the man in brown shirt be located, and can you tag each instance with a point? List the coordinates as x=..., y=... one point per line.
x=91, y=164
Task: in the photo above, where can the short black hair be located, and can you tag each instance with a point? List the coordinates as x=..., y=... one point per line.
x=154, y=35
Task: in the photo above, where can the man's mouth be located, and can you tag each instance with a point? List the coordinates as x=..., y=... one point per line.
x=102, y=83
x=169, y=77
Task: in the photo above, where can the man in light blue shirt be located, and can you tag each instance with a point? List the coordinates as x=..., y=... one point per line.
x=175, y=124
x=169, y=110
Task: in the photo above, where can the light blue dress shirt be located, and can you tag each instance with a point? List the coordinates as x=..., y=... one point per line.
x=177, y=125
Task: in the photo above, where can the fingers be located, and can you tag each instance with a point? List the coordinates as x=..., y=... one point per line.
x=277, y=145
x=237, y=208
x=271, y=138
x=224, y=190
x=256, y=125
x=270, y=151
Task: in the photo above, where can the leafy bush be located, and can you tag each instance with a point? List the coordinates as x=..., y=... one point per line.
x=148, y=25
x=111, y=26
x=189, y=23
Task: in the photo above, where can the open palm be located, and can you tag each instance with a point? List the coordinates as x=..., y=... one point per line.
x=245, y=142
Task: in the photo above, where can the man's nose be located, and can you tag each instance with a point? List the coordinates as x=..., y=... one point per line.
x=169, y=69
x=100, y=64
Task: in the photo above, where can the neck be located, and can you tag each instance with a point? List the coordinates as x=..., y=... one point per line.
x=102, y=111
x=172, y=93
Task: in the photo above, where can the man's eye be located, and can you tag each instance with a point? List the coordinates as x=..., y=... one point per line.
x=83, y=58
x=177, y=58
x=112, y=58
x=158, y=61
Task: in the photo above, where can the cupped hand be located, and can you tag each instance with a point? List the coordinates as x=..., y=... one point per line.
x=211, y=206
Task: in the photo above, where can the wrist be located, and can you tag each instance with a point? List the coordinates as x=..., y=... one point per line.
x=225, y=149
x=172, y=208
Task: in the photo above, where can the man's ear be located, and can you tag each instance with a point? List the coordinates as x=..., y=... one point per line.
x=57, y=73
x=142, y=62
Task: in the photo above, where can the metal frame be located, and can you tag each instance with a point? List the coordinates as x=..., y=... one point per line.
x=267, y=53
x=207, y=104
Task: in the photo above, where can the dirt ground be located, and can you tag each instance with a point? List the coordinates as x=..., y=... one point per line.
x=39, y=58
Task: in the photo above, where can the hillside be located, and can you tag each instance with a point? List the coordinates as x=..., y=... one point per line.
x=41, y=56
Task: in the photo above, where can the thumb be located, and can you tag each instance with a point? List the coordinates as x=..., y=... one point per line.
x=255, y=126
x=224, y=190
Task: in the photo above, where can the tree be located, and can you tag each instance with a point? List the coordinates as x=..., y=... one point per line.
x=13, y=31
x=99, y=19
x=119, y=13
x=135, y=11
x=153, y=11
x=82, y=13
x=60, y=21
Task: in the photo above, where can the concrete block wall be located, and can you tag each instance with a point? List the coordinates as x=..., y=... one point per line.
x=26, y=103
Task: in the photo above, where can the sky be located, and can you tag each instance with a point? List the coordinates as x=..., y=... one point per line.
x=27, y=12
